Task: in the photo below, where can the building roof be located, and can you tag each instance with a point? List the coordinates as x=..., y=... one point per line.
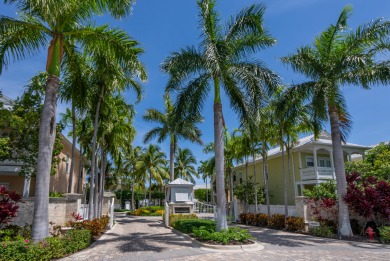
x=179, y=181
x=6, y=101
x=323, y=139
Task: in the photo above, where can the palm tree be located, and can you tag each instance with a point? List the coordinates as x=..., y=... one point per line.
x=153, y=163
x=184, y=165
x=292, y=117
x=130, y=161
x=64, y=26
x=202, y=170
x=172, y=125
x=222, y=60
x=340, y=57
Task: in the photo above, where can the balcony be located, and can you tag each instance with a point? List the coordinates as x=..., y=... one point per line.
x=321, y=173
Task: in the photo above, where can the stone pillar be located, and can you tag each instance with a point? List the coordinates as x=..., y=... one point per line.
x=301, y=209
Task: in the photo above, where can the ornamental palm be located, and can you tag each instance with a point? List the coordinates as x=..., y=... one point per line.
x=172, y=125
x=222, y=60
x=64, y=26
x=184, y=165
x=153, y=162
x=339, y=57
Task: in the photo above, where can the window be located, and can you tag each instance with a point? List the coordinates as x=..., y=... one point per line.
x=240, y=177
x=234, y=177
x=324, y=163
x=309, y=162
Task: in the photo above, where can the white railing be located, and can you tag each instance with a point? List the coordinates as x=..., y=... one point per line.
x=205, y=210
x=322, y=173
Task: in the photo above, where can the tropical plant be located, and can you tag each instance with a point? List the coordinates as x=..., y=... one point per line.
x=184, y=165
x=222, y=60
x=66, y=27
x=339, y=57
x=172, y=125
x=153, y=164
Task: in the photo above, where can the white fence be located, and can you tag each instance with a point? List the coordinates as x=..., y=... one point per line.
x=275, y=209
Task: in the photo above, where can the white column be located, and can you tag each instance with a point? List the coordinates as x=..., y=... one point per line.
x=349, y=157
x=331, y=163
x=26, y=187
x=315, y=162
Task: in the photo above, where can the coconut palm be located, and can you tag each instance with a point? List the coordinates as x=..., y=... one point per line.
x=223, y=60
x=64, y=26
x=340, y=57
x=184, y=165
x=153, y=164
x=172, y=125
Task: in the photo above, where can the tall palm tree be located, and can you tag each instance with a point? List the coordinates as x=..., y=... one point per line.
x=340, y=57
x=202, y=170
x=64, y=26
x=292, y=117
x=184, y=165
x=153, y=163
x=131, y=158
x=172, y=125
x=222, y=60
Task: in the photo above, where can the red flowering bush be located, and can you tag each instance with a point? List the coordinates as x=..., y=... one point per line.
x=368, y=197
x=8, y=205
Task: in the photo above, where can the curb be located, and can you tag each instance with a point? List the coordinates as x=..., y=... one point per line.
x=228, y=248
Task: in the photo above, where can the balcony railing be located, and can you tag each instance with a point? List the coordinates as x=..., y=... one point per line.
x=321, y=173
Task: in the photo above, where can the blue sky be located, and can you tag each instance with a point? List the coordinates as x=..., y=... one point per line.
x=165, y=26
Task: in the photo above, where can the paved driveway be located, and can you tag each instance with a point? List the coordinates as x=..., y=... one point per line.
x=145, y=238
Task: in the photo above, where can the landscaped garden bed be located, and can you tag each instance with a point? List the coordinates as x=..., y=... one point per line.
x=148, y=211
x=205, y=232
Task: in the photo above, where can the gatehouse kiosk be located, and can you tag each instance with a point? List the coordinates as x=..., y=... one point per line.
x=179, y=196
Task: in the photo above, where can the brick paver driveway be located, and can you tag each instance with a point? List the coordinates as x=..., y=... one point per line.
x=145, y=238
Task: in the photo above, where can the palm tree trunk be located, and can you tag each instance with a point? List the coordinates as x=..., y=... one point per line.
x=338, y=159
x=144, y=193
x=219, y=166
x=284, y=177
x=254, y=180
x=132, y=195
x=231, y=183
x=47, y=134
x=172, y=159
x=265, y=175
x=207, y=193
x=247, y=186
x=101, y=183
x=96, y=191
x=91, y=213
x=70, y=185
x=150, y=189
x=80, y=177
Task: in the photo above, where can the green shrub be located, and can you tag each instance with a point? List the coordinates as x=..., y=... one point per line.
x=384, y=233
x=261, y=220
x=148, y=211
x=295, y=224
x=224, y=236
x=322, y=231
x=54, y=194
x=277, y=221
x=174, y=217
x=188, y=225
x=49, y=249
x=15, y=233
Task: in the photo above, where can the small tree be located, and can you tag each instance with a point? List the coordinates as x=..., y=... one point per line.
x=240, y=193
x=8, y=205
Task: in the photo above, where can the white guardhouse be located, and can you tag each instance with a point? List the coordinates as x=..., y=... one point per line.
x=179, y=196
